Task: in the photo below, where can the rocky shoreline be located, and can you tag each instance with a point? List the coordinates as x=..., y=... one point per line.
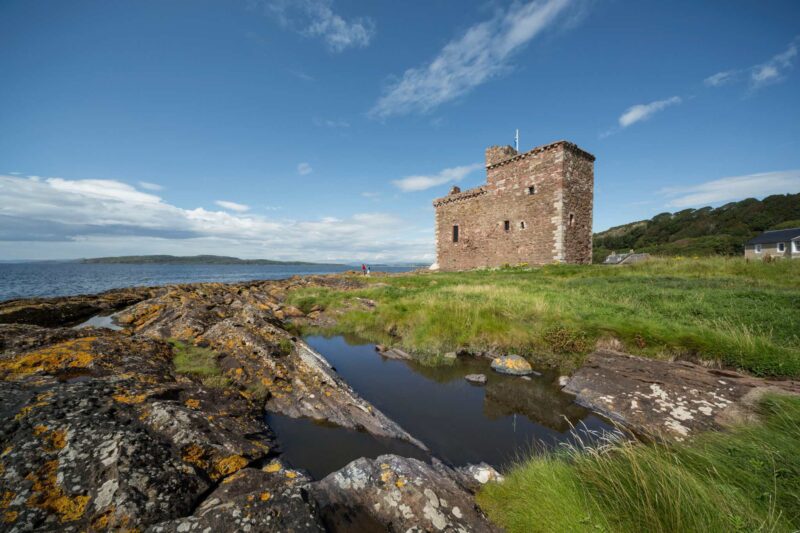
x=99, y=431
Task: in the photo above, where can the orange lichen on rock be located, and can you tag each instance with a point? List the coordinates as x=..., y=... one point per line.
x=49, y=496
x=130, y=398
x=195, y=455
x=192, y=403
x=229, y=465
x=265, y=496
x=9, y=517
x=39, y=401
x=64, y=355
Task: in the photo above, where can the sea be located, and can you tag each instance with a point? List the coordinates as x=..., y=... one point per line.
x=44, y=279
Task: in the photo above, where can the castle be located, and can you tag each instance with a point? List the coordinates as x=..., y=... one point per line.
x=535, y=208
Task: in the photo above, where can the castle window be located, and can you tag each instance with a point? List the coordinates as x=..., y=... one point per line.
x=758, y=249
x=455, y=233
x=531, y=190
x=781, y=247
x=522, y=225
x=507, y=225
x=571, y=219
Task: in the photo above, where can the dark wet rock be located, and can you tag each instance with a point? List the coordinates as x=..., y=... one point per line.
x=480, y=379
x=70, y=310
x=272, y=498
x=399, y=494
x=511, y=364
x=659, y=398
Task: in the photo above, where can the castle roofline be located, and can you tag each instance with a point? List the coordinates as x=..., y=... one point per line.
x=463, y=195
x=566, y=144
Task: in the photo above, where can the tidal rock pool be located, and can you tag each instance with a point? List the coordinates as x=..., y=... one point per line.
x=460, y=422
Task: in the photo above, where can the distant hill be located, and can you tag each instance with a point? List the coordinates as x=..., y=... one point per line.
x=188, y=260
x=707, y=231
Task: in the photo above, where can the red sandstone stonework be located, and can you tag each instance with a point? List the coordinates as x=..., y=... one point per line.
x=535, y=208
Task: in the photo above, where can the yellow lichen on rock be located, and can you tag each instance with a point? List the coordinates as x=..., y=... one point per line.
x=64, y=355
x=195, y=455
x=9, y=517
x=291, y=474
x=5, y=499
x=273, y=467
x=229, y=465
x=39, y=429
x=265, y=496
x=192, y=403
x=49, y=496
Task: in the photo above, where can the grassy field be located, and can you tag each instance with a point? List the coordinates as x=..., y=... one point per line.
x=744, y=480
x=738, y=314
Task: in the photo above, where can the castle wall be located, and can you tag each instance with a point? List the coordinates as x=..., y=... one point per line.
x=538, y=225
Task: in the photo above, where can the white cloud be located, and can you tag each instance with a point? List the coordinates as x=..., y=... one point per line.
x=641, y=112
x=721, y=78
x=734, y=188
x=232, y=206
x=420, y=183
x=368, y=194
x=304, y=169
x=58, y=218
x=481, y=53
x=761, y=75
x=150, y=186
x=316, y=18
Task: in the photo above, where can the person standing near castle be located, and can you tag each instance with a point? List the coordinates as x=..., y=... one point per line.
x=367, y=270
x=363, y=269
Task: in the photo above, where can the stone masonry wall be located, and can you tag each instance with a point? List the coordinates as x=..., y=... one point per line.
x=538, y=224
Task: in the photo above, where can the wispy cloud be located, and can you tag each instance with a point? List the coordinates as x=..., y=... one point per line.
x=316, y=18
x=372, y=195
x=420, y=183
x=232, y=206
x=734, y=188
x=640, y=112
x=150, y=186
x=329, y=123
x=55, y=217
x=304, y=169
x=481, y=53
x=761, y=75
x=302, y=75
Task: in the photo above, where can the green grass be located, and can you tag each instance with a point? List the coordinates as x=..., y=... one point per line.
x=747, y=479
x=726, y=310
x=199, y=362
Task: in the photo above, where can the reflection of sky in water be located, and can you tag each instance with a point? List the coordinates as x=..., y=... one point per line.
x=460, y=422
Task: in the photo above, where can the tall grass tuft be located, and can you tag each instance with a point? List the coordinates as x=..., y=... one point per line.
x=747, y=479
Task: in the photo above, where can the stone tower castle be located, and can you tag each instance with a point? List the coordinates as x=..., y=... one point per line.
x=535, y=208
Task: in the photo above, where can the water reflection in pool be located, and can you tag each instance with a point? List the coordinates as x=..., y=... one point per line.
x=460, y=422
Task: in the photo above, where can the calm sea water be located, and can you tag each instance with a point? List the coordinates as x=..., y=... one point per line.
x=27, y=280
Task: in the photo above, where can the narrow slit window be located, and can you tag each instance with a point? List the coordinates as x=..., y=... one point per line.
x=532, y=190
x=522, y=225
x=455, y=233
x=507, y=225
x=571, y=219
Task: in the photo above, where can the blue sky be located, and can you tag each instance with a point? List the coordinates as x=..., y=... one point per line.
x=322, y=129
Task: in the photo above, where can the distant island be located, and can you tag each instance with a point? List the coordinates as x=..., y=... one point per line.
x=190, y=260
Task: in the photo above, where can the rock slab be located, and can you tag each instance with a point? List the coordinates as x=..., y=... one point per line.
x=665, y=399
x=479, y=379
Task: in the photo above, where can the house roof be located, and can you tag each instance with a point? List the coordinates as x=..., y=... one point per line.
x=780, y=235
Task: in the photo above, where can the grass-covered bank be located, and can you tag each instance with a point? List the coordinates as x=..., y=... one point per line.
x=742, y=314
x=744, y=480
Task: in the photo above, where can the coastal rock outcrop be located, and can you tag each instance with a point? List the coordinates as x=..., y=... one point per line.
x=399, y=494
x=98, y=432
x=256, y=353
x=659, y=398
